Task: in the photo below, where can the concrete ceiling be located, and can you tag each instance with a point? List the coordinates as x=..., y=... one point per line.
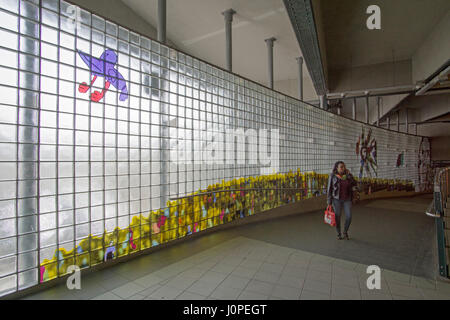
x=197, y=28
x=404, y=26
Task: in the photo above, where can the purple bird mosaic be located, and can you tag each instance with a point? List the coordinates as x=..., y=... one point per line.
x=104, y=67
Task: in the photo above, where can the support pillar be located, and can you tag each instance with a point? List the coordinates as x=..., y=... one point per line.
x=378, y=111
x=228, y=16
x=300, y=77
x=406, y=121
x=367, y=108
x=269, y=43
x=354, y=109
x=162, y=14
x=323, y=101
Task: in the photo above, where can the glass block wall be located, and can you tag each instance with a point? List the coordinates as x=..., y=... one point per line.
x=90, y=115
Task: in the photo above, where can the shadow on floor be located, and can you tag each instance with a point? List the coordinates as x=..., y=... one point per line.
x=394, y=234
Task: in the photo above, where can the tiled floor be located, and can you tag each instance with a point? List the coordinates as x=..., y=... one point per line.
x=244, y=268
x=281, y=260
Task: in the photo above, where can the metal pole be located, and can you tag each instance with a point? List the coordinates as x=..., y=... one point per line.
x=322, y=101
x=162, y=13
x=269, y=43
x=228, y=15
x=354, y=109
x=367, y=108
x=378, y=111
x=300, y=77
x=406, y=121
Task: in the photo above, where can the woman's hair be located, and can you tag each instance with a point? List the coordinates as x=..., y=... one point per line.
x=336, y=166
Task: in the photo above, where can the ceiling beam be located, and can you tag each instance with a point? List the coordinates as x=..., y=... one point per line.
x=302, y=19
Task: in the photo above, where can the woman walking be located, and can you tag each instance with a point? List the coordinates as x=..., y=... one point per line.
x=339, y=195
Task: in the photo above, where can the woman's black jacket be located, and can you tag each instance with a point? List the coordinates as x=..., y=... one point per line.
x=333, y=186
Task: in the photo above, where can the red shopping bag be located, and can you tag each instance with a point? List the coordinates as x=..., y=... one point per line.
x=330, y=217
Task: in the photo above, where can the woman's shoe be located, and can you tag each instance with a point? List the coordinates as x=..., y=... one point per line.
x=346, y=236
x=339, y=237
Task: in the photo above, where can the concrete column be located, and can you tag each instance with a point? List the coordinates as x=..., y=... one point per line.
x=367, y=108
x=354, y=109
x=162, y=14
x=228, y=15
x=269, y=43
x=300, y=77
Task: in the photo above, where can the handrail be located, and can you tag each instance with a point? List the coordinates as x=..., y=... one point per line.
x=441, y=194
x=441, y=189
x=430, y=210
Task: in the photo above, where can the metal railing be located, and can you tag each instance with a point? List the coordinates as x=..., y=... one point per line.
x=438, y=209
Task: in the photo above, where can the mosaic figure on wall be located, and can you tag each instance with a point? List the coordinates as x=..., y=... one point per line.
x=424, y=165
x=103, y=67
x=366, y=149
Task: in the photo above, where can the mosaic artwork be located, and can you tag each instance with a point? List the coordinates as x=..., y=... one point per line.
x=425, y=172
x=90, y=116
x=218, y=204
x=366, y=149
x=104, y=67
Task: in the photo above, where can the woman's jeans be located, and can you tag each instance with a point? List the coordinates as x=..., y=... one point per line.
x=337, y=206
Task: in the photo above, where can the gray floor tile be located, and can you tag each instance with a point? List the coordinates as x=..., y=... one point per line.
x=249, y=295
x=213, y=277
x=225, y=293
x=181, y=283
x=267, y=276
x=235, y=282
x=186, y=295
x=107, y=296
x=148, y=280
x=223, y=268
x=346, y=281
x=244, y=272
x=291, y=281
x=286, y=292
x=271, y=267
x=193, y=273
x=127, y=290
x=166, y=293
x=204, y=288
x=405, y=291
x=148, y=291
x=344, y=292
x=251, y=263
x=136, y=297
x=259, y=286
x=313, y=295
x=294, y=271
x=317, y=286
x=88, y=291
x=374, y=295
x=114, y=282
x=318, y=276
x=432, y=294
